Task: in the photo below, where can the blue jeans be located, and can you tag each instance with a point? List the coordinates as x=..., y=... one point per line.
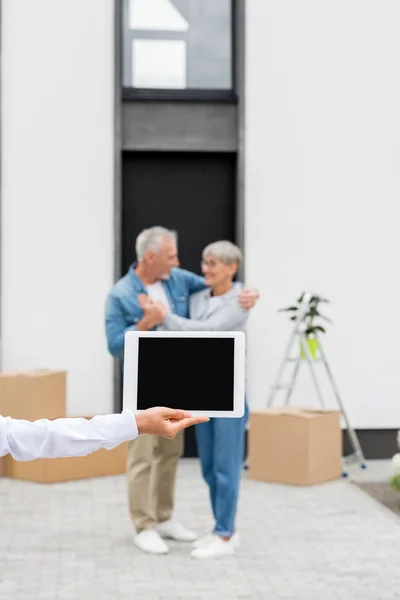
x=220, y=444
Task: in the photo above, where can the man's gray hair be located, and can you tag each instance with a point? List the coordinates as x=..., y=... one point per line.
x=152, y=239
x=224, y=251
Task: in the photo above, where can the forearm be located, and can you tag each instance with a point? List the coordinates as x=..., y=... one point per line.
x=67, y=437
x=146, y=324
x=231, y=317
x=175, y=323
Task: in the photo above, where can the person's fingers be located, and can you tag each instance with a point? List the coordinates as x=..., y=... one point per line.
x=187, y=422
x=144, y=301
x=245, y=295
x=174, y=414
x=197, y=420
x=246, y=301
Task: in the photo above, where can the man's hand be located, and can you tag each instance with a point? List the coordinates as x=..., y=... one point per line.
x=154, y=312
x=166, y=422
x=248, y=298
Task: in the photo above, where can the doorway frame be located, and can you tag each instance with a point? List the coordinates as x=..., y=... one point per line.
x=119, y=125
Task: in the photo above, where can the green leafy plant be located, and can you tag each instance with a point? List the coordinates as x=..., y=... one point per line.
x=312, y=315
x=395, y=482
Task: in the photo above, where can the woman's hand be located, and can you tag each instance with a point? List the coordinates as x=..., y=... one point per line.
x=248, y=298
x=166, y=422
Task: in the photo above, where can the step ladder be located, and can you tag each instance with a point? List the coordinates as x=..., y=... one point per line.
x=299, y=335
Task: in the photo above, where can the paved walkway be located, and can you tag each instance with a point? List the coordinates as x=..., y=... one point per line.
x=73, y=542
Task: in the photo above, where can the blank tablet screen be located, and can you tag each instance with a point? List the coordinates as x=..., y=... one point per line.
x=190, y=373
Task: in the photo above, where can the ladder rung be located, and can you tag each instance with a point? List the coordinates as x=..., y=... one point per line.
x=296, y=359
x=353, y=457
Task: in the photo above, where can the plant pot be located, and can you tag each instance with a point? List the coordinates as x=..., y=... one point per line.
x=312, y=344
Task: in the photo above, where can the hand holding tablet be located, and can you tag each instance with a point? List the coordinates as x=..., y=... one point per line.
x=201, y=371
x=166, y=422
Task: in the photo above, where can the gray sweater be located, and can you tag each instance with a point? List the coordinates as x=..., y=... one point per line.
x=208, y=313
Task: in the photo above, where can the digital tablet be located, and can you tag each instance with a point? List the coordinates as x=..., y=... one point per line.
x=202, y=372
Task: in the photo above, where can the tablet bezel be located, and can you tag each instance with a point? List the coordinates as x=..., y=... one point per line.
x=131, y=355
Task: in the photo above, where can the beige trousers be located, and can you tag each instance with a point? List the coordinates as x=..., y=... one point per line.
x=152, y=463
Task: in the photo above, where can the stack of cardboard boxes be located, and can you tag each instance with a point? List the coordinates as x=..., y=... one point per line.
x=42, y=395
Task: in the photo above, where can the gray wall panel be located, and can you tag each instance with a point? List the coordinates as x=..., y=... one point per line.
x=240, y=90
x=117, y=172
x=179, y=126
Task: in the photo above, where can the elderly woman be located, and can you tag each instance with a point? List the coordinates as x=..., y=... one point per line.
x=220, y=442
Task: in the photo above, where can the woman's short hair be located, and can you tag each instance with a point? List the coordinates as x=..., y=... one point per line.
x=224, y=251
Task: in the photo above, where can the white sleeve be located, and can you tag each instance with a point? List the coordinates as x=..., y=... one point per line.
x=26, y=440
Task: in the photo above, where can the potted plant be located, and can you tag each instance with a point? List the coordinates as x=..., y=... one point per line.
x=395, y=480
x=311, y=321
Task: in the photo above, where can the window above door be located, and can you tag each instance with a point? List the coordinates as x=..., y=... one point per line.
x=178, y=49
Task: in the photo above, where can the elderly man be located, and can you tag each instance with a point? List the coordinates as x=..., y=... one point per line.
x=152, y=461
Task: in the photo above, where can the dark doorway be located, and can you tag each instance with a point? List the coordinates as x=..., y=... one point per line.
x=191, y=193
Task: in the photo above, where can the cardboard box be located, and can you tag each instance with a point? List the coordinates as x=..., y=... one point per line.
x=52, y=470
x=298, y=446
x=33, y=395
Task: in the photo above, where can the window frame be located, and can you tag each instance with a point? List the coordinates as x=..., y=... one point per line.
x=187, y=94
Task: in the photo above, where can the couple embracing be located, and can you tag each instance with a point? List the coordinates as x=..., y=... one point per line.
x=156, y=294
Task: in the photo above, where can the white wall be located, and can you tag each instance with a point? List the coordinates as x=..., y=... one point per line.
x=57, y=191
x=323, y=190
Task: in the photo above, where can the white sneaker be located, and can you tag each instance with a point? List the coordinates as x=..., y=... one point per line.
x=205, y=540
x=175, y=531
x=217, y=548
x=149, y=541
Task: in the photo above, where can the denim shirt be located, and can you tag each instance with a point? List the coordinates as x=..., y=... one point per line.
x=122, y=310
